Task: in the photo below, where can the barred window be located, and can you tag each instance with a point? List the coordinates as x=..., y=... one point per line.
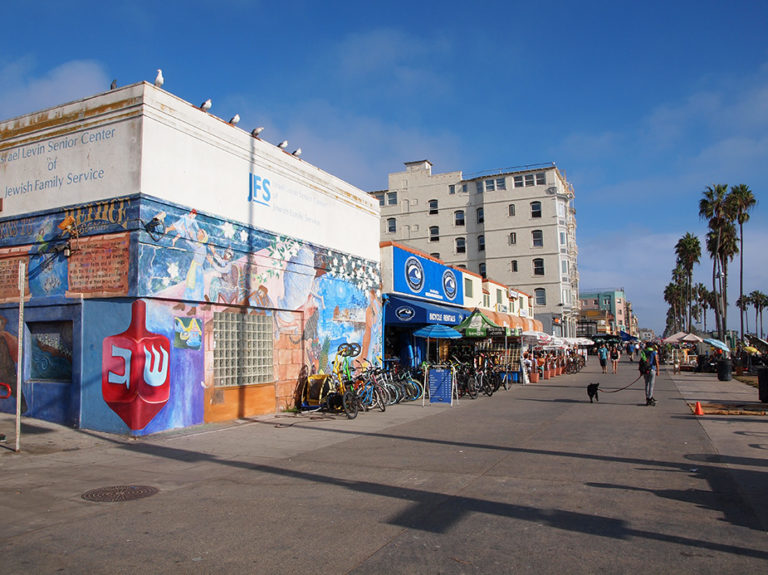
x=243, y=353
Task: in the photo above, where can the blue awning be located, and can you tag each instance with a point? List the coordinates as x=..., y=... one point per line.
x=405, y=311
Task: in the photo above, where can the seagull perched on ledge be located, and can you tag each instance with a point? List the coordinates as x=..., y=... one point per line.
x=205, y=106
x=159, y=80
x=113, y=85
x=256, y=131
x=235, y=119
x=297, y=152
x=283, y=145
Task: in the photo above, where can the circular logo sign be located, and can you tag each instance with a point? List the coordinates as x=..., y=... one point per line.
x=450, y=287
x=405, y=313
x=414, y=274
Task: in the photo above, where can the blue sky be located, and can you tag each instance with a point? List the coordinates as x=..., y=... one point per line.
x=641, y=104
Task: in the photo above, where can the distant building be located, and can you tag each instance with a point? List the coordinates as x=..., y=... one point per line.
x=517, y=227
x=613, y=301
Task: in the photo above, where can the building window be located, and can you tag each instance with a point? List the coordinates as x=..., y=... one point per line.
x=535, y=209
x=541, y=179
x=564, y=266
x=458, y=217
x=451, y=189
x=511, y=210
x=461, y=245
x=528, y=179
x=514, y=265
x=501, y=184
x=498, y=296
x=481, y=243
x=562, y=238
x=380, y=197
x=467, y=287
x=391, y=198
x=518, y=181
x=512, y=238
x=480, y=215
x=243, y=351
x=391, y=225
x=434, y=234
x=481, y=269
x=464, y=188
x=541, y=296
x=432, y=207
x=435, y=255
x=538, y=238
x=538, y=266
x=490, y=185
x=479, y=186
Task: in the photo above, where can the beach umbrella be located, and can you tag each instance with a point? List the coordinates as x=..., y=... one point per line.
x=716, y=343
x=751, y=349
x=691, y=338
x=436, y=331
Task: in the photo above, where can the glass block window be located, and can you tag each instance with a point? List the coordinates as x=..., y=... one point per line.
x=243, y=353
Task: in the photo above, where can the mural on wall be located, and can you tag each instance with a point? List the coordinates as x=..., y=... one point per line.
x=9, y=349
x=320, y=298
x=135, y=371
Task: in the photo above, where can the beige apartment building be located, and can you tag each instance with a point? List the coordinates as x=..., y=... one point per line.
x=516, y=227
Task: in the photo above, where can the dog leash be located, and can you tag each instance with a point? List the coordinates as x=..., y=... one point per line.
x=623, y=388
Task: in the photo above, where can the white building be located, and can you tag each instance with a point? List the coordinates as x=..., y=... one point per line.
x=516, y=227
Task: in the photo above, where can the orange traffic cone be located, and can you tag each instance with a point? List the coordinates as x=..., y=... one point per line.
x=698, y=410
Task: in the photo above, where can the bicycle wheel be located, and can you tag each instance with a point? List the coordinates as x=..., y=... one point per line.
x=349, y=401
x=379, y=400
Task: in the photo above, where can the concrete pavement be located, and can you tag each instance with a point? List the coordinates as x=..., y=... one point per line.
x=532, y=480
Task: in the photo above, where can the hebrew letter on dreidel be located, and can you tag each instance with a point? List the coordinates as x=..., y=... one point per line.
x=155, y=375
x=124, y=379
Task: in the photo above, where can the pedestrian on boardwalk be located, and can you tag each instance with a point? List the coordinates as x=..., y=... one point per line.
x=602, y=355
x=615, y=355
x=649, y=367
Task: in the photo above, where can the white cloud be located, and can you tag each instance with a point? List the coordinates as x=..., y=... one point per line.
x=23, y=92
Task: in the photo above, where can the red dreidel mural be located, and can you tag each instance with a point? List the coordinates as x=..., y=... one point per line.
x=135, y=381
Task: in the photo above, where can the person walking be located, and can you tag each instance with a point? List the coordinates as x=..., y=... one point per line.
x=602, y=355
x=615, y=355
x=649, y=366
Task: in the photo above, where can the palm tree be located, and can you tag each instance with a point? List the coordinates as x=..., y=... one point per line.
x=688, y=251
x=712, y=208
x=760, y=302
x=701, y=293
x=742, y=201
x=673, y=296
x=743, y=302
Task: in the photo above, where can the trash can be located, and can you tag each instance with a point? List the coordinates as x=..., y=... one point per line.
x=724, y=370
x=762, y=383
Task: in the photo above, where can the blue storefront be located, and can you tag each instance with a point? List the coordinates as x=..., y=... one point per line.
x=423, y=292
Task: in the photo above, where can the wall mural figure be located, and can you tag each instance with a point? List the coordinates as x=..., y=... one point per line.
x=9, y=349
x=135, y=380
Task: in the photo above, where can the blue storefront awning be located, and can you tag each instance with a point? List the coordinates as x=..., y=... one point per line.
x=405, y=311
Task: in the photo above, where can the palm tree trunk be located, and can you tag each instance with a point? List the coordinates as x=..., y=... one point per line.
x=741, y=275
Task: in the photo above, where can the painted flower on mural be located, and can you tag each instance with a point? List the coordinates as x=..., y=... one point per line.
x=173, y=270
x=244, y=236
x=228, y=230
x=363, y=275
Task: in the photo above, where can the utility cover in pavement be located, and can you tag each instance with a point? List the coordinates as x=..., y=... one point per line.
x=119, y=493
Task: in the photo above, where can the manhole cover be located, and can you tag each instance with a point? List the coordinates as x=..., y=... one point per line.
x=119, y=493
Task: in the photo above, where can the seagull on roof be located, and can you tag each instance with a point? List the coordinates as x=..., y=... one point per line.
x=283, y=145
x=297, y=152
x=205, y=106
x=235, y=119
x=159, y=80
x=256, y=131
x=113, y=85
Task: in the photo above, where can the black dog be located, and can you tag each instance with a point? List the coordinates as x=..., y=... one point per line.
x=592, y=392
